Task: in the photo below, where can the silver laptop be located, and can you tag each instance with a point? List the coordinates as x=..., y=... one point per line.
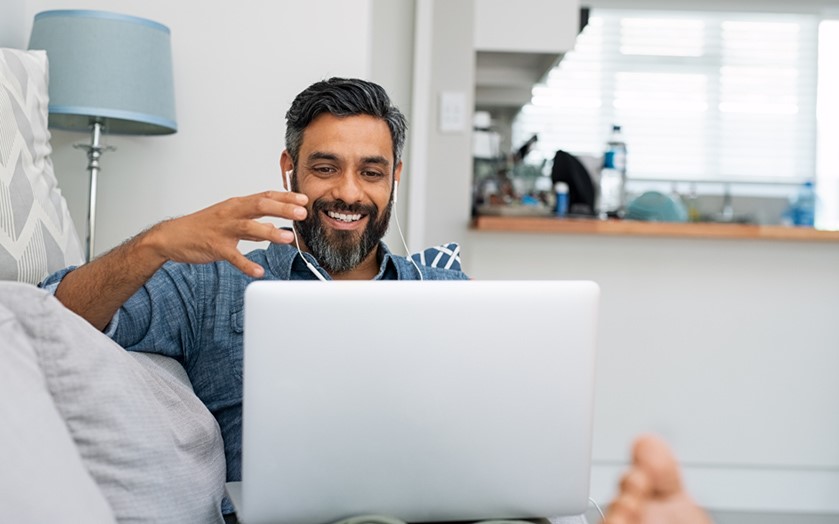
x=425, y=401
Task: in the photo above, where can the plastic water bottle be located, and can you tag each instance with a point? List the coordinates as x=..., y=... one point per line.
x=561, y=192
x=804, y=207
x=613, y=177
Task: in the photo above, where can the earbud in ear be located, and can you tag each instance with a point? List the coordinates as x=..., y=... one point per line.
x=395, y=190
x=288, y=180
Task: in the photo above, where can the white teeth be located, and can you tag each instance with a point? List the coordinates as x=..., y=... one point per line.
x=342, y=217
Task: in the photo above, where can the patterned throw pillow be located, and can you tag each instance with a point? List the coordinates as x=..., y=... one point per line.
x=37, y=235
x=445, y=256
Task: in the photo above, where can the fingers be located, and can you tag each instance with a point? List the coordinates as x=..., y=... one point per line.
x=214, y=233
x=283, y=196
x=259, y=231
x=244, y=265
x=274, y=204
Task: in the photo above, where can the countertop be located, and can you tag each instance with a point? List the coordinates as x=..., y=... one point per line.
x=649, y=229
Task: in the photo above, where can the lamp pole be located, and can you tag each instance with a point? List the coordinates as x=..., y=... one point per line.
x=94, y=152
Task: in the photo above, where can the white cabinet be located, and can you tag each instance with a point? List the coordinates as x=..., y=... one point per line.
x=516, y=43
x=526, y=26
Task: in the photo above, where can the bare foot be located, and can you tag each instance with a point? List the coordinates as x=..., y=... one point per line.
x=651, y=492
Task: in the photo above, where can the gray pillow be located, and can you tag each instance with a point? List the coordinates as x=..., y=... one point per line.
x=42, y=477
x=37, y=235
x=149, y=443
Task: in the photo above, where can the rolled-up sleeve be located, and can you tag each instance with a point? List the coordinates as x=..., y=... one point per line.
x=161, y=317
x=164, y=315
x=51, y=284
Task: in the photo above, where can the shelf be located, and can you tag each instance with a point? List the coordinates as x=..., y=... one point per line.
x=649, y=229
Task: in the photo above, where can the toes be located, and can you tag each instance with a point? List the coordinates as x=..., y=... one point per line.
x=636, y=482
x=626, y=509
x=635, y=488
x=653, y=456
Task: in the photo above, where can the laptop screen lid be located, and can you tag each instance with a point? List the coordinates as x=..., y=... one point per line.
x=427, y=401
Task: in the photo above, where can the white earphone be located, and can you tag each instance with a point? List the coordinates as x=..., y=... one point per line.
x=399, y=228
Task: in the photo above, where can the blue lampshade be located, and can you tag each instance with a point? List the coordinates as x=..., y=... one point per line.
x=107, y=66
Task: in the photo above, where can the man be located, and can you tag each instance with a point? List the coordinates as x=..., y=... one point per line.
x=178, y=288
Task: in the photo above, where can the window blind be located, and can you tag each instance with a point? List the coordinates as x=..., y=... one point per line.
x=700, y=96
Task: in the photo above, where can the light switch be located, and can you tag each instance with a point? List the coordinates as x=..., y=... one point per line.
x=452, y=112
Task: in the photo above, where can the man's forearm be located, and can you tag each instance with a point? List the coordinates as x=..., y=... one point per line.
x=96, y=290
x=99, y=288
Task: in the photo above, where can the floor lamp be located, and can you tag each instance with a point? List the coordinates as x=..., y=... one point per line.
x=109, y=73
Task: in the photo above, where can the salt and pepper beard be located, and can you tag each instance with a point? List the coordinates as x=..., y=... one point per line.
x=339, y=251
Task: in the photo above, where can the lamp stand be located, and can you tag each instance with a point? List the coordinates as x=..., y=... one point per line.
x=94, y=151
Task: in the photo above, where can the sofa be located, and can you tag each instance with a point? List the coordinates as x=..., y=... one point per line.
x=90, y=432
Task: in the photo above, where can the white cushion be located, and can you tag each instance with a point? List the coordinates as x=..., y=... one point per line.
x=42, y=477
x=37, y=235
x=148, y=442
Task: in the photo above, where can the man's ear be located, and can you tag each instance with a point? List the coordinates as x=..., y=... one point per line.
x=397, y=173
x=286, y=164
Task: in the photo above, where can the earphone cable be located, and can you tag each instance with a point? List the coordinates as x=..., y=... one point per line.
x=405, y=245
x=296, y=241
x=597, y=507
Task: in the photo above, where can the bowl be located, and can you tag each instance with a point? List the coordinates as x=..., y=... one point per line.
x=655, y=206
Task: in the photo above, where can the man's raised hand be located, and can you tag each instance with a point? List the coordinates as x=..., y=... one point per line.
x=214, y=233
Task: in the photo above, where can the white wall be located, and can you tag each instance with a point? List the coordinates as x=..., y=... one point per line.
x=439, y=208
x=12, y=21
x=237, y=68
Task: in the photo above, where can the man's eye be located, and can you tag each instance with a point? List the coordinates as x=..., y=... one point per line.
x=323, y=169
x=373, y=174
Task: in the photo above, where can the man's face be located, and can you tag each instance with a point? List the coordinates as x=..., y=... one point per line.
x=345, y=167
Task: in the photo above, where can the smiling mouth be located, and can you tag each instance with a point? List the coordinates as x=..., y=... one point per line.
x=347, y=218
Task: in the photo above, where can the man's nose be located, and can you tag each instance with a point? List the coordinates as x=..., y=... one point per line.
x=348, y=188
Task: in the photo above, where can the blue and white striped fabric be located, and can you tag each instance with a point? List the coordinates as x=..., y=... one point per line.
x=446, y=256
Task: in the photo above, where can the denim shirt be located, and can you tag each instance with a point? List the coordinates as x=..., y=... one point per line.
x=194, y=314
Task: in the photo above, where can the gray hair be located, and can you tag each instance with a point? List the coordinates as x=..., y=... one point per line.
x=343, y=97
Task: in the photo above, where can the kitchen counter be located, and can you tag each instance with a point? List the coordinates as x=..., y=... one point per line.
x=649, y=229
x=726, y=347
